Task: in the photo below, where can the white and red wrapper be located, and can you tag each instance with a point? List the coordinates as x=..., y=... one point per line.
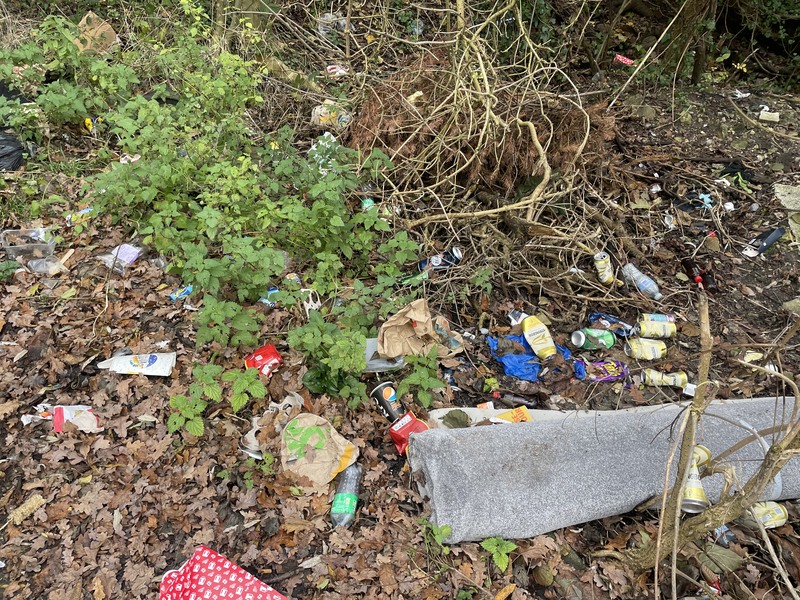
x=403, y=428
x=208, y=575
x=266, y=359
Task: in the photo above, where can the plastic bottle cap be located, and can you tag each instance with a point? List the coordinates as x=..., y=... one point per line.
x=658, y=296
x=578, y=338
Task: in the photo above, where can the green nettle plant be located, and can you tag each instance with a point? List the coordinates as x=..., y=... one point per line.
x=233, y=210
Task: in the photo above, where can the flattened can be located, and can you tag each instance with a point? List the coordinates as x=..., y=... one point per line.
x=645, y=349
x=656, y=329
x=385, y=396
x=694, y=495
x=605, y=272
x=678, y=379
x=771, y=514
x=441, y=261
x=658, y=317
x=592, y=339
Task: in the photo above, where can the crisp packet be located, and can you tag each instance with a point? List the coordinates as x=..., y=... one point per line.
x=266, y=359
x=402, y=429
x=606, y=370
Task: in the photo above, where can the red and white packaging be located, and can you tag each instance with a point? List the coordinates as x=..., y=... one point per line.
x=79, y=415
x=266, y=359
x=336, y=71
x=402, y=429
x=208, y=575
x=623, y=59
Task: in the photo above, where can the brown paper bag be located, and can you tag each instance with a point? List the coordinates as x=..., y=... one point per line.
x=311, y=447
x=96, y=35
x=414, y=331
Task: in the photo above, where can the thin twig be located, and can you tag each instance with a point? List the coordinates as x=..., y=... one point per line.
x=778, y=562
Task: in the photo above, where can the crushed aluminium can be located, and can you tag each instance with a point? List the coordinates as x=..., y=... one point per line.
x=443, y=260
x=660, y=318
x=645, y=348
x=771, y=514
x=592, y=339
x=385, y=396
x=614, y=324
x=180, y=293
x=652, y=377
x=605, y=272
x=656, y=329
x=80, y=216
x=267, y=299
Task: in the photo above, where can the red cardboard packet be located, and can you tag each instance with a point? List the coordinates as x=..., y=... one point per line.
x=210, y=575
x=266, y=359
x=403, y=428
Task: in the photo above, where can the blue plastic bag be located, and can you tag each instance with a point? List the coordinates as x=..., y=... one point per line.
x=527, y=366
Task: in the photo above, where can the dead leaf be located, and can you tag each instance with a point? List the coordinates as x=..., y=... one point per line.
x=6, y=408
x=619, y=542
x=292, y=525
x=541, y=547
x=98, y=593
x=690, y=329
x=505, y=592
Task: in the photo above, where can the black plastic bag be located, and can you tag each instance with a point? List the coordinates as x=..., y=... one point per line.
x=11, y=150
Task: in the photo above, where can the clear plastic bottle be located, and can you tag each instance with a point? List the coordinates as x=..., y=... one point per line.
x=343, y=510
x=642, y=282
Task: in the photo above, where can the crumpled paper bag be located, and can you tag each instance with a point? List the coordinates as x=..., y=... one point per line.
x=312, y=448
x=96, y=35
x=414, y=331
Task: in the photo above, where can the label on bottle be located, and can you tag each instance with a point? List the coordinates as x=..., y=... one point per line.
x=344, y=504
x=538, y=337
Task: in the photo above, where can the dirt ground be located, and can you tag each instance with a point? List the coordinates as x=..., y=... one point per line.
x=125, y=505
